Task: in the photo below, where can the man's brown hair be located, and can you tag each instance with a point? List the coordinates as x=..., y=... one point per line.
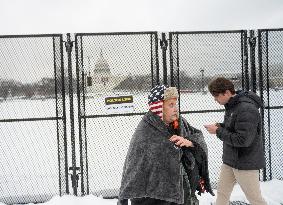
x=220, y=85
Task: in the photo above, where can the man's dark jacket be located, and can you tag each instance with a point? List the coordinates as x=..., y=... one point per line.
x=241, y=132
x=153, y=164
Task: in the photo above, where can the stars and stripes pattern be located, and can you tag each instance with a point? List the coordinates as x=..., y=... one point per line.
x=155, y=100
x=157, y=108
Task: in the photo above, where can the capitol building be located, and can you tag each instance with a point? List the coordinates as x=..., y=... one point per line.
x=100, y=79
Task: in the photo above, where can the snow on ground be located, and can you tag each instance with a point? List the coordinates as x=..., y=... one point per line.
x=30, y=155
x=272, y=192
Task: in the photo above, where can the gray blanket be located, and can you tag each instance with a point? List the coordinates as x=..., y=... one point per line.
x=153, y=164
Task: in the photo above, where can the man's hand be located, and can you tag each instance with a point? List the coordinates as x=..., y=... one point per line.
x=211, y=128
x=181, y=141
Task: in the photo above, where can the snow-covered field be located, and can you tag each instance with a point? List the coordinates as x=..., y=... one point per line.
x=29, y=159
x=272, y=193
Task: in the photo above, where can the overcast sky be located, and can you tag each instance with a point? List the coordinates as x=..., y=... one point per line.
x=75, y=16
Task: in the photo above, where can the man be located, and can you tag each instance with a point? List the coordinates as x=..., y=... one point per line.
x=240, y=132
x=158, y=154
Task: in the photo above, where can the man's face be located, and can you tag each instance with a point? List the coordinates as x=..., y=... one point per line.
x=223, y=98
x=170, y=111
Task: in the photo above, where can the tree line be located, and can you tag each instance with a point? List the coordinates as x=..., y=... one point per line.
x=14, y=89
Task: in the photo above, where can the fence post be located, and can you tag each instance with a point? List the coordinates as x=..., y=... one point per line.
x=252, y=43
x=174, y=63
x=163, y=45
x=69, y=47
x=60, y=82
x=261, y=96
x=245, y=63
x=154, y=60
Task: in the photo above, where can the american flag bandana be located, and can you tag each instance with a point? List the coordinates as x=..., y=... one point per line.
x=155, y=100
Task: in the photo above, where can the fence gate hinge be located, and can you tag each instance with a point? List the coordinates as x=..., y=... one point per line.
x=163, y=42
x=252, y=39
x=69, y=44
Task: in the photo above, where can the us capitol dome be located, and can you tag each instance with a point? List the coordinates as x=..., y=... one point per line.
x=102, y=80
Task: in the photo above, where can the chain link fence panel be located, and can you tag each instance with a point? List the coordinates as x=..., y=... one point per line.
x=116, y=72
x=195, y=59
x=32, y=118
x=112, y=76
x=270, y=86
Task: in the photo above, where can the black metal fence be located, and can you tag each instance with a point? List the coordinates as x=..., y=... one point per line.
x=32, y=118
x=269, y=83
x=76, y=144
x=195, y=59
x=110, y=65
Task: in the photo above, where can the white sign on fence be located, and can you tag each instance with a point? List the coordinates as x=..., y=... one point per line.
x=119, y=104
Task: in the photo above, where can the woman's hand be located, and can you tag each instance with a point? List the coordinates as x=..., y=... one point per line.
x=181, y=141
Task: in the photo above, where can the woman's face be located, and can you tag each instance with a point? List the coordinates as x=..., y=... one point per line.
x=170, y=110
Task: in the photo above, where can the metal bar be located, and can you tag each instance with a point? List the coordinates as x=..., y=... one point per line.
x=69, y=46
x=261, y=95
x=274, y=29
x=116, y=33
x=154, y=59
x=242, y=58
x=246, y=63
x=194, y=111
x=86, y=149
x=135, y=114
x=163, y=45
x=202, y=111
x=80, y=81
x=57, y=122
x=64, y=114
x=274, y=107
x=30, y=119
x=178, y=72
x=113, y=115
x=151, y=62
x=268, y=104
x=84, y=121
x=157, y=59
x=207, y=32
x=172, y=82
x=252, y=43
x=30, y=36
